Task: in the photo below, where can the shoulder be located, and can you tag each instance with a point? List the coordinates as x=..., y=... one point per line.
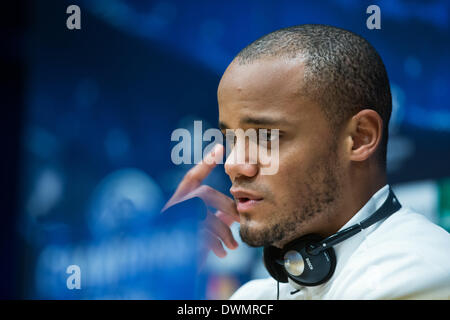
x=407, y=221
x=410, y=233
x=260, y=289
x=406, y=256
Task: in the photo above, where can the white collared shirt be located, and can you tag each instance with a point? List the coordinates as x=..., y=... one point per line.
x=404, y=256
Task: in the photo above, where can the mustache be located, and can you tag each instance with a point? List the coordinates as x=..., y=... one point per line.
x=251, y=187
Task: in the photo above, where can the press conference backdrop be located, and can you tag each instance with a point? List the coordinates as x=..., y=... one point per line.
x=102, y=102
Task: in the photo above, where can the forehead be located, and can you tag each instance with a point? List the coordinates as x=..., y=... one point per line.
x=262, y=78
x=264, y=87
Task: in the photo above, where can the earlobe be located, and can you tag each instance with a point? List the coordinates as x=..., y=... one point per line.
x=366, y=132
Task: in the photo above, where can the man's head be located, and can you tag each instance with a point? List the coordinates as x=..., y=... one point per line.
x=327, y=91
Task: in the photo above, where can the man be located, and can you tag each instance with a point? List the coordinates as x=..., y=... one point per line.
x=327, y=91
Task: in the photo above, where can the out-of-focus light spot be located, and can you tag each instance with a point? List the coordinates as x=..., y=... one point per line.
x=127, y=197
x=421, y=117
x=398, y=109
x=46, y=192
x=413, y=67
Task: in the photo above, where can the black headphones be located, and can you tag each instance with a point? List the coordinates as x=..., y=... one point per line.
x=310, y=260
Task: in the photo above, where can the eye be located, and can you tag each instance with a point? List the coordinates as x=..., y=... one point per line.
x=269, y=135
x=229, y=136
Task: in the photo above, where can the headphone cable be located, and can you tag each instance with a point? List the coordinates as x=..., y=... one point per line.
x=278, y=290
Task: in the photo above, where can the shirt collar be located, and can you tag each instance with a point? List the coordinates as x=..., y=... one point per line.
x=344, y=249
x=374, y=203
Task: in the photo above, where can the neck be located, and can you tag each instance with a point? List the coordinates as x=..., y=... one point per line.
x=356, y=190
x=354, y=196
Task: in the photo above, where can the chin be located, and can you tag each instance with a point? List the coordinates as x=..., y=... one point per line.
x=257, y=234
x=250, y=235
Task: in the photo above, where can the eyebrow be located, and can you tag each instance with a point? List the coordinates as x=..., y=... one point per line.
x=260, y=121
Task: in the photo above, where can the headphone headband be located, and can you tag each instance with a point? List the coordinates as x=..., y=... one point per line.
x=390, y=205
x=310, y=260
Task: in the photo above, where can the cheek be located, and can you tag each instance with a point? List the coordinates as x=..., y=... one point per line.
x=292, y=173
x=294, y=163
x=298, y=164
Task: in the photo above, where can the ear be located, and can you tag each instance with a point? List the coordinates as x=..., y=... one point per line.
x=365, y=131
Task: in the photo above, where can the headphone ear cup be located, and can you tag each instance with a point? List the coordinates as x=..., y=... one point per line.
x=270, y=256
x=318, y=268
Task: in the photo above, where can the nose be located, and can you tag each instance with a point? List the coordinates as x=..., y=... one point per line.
x=235, y=167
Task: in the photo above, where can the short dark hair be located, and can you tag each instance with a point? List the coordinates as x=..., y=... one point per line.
x=343, y=72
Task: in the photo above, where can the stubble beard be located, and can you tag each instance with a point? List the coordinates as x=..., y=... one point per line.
x=318, y=196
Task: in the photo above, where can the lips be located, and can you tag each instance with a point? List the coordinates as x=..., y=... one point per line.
x=246, y=200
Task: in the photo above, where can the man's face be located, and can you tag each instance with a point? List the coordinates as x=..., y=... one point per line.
x=297, y=200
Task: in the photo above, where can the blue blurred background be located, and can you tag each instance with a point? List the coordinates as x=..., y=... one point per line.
x=99, y=107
